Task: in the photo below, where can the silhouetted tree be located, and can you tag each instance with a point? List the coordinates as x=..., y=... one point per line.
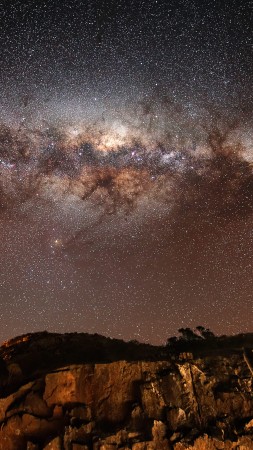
x=188, y=334
x=205, y=332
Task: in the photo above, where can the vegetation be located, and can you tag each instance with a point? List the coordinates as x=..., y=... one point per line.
x=202, y=341
x=187, y=334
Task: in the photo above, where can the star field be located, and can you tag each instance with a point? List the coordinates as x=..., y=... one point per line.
x=126, y=167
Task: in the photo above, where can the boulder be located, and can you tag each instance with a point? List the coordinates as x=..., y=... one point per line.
x=32, y=446
x=13, y=399
x=36, y=428
x=55, y=444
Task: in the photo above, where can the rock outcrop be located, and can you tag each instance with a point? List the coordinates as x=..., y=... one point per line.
x=175, y=404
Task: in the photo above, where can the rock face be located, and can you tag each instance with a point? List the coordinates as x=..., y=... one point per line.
x=199, y=404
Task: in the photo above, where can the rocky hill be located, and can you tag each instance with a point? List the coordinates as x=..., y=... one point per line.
x=88, y=392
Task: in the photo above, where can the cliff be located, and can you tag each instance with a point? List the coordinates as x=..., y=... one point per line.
x=179, y=403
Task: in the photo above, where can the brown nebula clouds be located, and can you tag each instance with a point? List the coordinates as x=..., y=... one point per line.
x=208, y=177
x=222, y=191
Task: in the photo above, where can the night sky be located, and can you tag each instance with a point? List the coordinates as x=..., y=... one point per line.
x=126, y=167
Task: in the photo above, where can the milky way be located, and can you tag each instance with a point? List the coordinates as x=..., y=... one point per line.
x=126, y=168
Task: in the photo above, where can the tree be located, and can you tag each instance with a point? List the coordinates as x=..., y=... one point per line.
x=172, y=341
x=188, y=334
x=205, y=332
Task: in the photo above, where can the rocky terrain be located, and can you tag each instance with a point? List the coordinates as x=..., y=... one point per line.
x=75, y=392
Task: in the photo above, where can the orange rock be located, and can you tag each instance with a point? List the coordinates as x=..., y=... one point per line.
x=31, y=446
x=55, y=444
x=58, y=411
x=79, y=447
x=36, y=428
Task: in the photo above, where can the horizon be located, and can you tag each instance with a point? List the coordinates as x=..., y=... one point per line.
x=178, y=336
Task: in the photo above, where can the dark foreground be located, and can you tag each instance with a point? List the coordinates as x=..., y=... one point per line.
x=88, y=392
